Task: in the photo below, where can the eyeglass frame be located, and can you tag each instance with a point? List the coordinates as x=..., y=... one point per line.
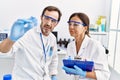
x=53, y=20
x=76, y=23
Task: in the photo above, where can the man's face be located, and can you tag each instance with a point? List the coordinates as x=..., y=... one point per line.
x=48, y=21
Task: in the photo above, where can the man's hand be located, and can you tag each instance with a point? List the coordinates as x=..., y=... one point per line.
x=21, y=26
x=53, y=77
x=75, y=71
x=31, y=22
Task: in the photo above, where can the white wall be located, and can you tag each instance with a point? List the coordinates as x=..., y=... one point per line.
x=10, y=10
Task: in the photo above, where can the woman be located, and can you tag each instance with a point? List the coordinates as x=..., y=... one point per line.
x=86, y=48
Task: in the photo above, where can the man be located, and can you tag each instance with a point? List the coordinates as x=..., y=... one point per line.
x=35, y=52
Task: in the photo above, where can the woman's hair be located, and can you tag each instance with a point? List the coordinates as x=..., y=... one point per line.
x=52, y=8
x=84, y=18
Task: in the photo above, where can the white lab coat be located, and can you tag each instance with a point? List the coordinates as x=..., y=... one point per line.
x=91, y=50
x=29, y=57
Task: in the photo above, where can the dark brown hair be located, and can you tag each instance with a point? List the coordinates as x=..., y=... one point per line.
x=52, y=8
x=84, y=18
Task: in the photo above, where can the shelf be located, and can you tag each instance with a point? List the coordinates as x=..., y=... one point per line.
x=98, y=33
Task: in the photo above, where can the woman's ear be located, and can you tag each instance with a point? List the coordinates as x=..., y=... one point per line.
x=56, y=24
x=85, y=28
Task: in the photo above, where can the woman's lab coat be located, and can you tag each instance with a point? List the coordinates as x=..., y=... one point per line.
x=29, y=57
x=91, y=50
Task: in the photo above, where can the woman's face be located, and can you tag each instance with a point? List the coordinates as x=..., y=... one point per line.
x=76, y=27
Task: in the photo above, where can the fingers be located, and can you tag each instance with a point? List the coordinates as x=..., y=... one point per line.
x=31, y=20
x=79, y=71
x=64, y=67
x=18, y=22
x=70, y=70
x=34, y=20
x=24, y=21
x=77, y=68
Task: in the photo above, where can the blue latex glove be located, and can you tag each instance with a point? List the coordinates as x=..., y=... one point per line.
x=34, y=20
x=21, y=26
x=75, y=71
x=29, y=23
x=53, y=77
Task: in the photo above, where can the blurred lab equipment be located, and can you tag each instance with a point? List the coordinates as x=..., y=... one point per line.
x=7, y=77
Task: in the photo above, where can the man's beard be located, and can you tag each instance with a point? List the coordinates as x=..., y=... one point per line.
x=46, y=32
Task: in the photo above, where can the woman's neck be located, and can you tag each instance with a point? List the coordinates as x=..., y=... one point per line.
x=78, y=41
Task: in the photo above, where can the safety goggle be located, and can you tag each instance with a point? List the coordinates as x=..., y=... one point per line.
x=47, y=18
x=75, y=23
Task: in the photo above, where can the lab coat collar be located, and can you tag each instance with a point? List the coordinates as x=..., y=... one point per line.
x=85, y=42
x=84, y=45
x=38, y=29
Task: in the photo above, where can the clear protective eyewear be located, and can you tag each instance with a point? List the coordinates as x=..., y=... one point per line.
x=47, y=18
x=75, y=23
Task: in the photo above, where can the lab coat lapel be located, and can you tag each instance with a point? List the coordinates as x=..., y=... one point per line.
x=83, y=46
x=38, y=30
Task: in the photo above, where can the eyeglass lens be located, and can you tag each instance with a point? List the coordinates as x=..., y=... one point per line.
x=47, y=18
x=75, y=23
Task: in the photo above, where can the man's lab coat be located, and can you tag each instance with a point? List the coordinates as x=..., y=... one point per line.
x=29, y=57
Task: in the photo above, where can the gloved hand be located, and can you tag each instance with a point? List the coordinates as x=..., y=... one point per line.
x=29, y=23
x=53, y=77
x=34, y=20
x=75, y=71
x=21, y=26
